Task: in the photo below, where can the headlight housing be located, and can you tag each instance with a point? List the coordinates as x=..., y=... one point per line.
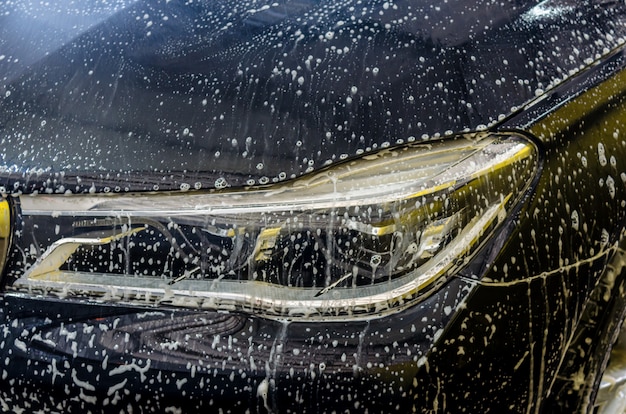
x=370, y=235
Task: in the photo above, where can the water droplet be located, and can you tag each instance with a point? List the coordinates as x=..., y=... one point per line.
x=221, y=183
x=575, y=220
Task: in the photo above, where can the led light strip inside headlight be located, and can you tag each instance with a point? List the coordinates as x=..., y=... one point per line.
x=367, y=236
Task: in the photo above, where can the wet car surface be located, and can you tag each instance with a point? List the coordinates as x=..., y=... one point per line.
x=356, y=206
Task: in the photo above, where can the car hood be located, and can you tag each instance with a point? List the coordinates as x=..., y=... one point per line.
x=161, y=95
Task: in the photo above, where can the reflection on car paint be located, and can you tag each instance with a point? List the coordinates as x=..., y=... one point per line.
x=188, y=88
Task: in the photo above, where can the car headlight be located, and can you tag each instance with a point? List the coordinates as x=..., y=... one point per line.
x=372, y=234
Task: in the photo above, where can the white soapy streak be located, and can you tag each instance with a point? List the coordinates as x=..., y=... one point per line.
x=132, y=367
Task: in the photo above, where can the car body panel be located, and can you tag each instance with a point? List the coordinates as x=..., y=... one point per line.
x=239, y=93
x=507, y=333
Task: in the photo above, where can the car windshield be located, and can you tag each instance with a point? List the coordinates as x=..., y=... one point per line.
x=145, y=95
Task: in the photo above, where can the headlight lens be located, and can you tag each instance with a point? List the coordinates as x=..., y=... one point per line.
x=368, y=235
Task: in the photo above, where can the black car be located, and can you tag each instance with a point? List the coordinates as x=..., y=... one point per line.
x=311, y=206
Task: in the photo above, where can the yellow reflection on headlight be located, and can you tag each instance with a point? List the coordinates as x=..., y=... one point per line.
x=5, y=231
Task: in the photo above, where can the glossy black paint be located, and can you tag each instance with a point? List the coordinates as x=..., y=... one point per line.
x=236, y=94
x=501, y=336
x=195, y=360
